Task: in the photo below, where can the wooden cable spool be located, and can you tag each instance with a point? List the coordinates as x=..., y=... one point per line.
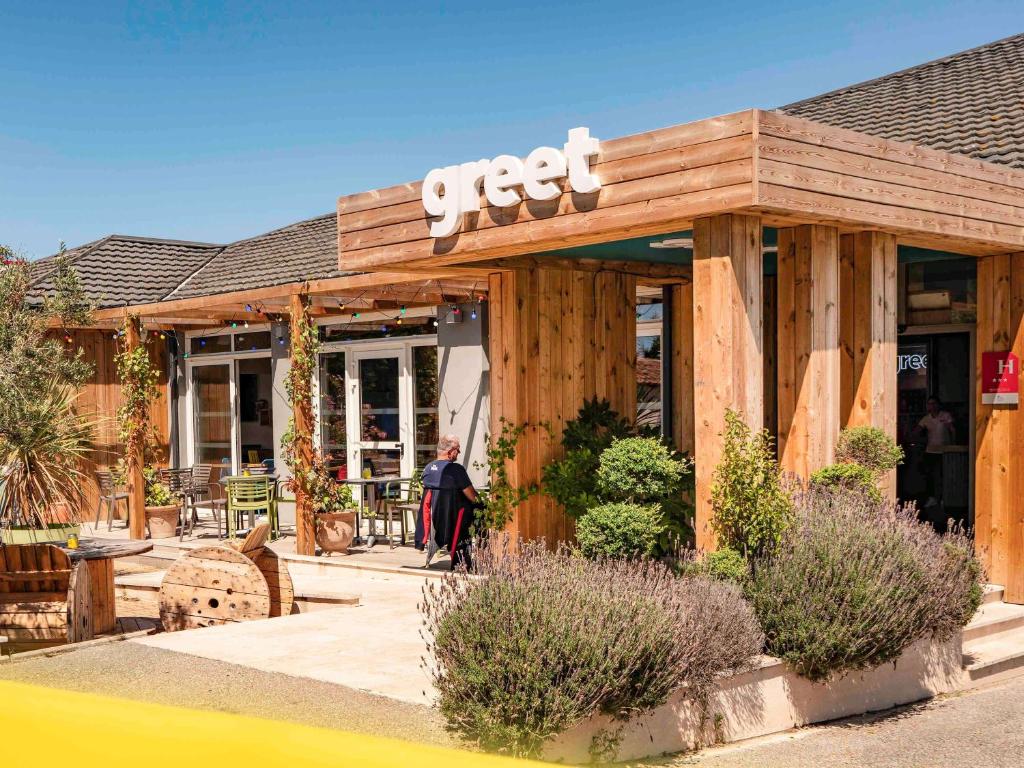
x=210, y=586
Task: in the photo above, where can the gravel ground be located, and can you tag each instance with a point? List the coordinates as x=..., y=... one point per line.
x=979, y=728
x=132, y=671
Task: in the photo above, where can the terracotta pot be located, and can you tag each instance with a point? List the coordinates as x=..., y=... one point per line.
x=335, y=531
x=162, y=521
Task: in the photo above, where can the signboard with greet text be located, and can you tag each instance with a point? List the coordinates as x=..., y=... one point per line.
x=1000, y=378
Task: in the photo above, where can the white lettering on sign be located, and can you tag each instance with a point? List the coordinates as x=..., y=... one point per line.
x=454, y=191
x=1006, y=366
x=912, y=363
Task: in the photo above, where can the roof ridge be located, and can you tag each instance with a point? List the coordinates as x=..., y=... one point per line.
x=84, y=249
x=901, y=72
x=163, y=240
x=195, y=272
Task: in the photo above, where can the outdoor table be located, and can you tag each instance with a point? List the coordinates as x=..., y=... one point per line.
x=99, y=556
x=369, y=484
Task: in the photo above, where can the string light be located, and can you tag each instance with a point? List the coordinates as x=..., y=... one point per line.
x=246, y=323
x=248, y=307
x=234, y=323
x=434, y=321
x=402, y=310
x=472, y=315
x=162, y=335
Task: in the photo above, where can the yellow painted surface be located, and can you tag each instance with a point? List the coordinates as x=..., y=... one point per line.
x=44, y=726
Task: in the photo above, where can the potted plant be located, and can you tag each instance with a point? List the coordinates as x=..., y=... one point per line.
x=334, y=512
x=162, y=511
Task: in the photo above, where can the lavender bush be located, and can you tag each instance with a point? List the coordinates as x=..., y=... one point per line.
x=854, y=581
x=542, y=640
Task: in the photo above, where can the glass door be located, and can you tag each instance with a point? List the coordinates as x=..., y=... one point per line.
x=213, y=423
x=379, y=431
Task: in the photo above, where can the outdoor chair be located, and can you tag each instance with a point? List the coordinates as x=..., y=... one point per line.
x=179, y=483
x=44, y=599
x=251, y=494
x=109, y=495
x=401, y=500
x=203, y=492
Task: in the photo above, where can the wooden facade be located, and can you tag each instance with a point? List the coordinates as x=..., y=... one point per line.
x=557, y=337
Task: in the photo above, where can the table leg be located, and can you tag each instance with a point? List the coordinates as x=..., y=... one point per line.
x=101, y=590
x=371, y=501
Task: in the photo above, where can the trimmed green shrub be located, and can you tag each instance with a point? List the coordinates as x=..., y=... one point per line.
x=639, y=469
x=750, y=508
x=870, y=447
x=849, y=476
x=853, y=582
x=727, y=565
x=546, y=639
x=620, y=529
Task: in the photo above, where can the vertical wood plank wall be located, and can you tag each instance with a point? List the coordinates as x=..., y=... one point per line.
x=808, y=343
x=728, y=342
x=557, y=337
x=868, y=345
x=999, y=461
x=100, y=398
x=682, y=367
x=771, y=356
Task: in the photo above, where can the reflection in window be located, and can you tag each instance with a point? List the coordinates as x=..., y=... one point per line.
x=425, y=389
x=648, y=381
x=333, y=434
x=208, y=345
x=941, y=292
x=378, y=387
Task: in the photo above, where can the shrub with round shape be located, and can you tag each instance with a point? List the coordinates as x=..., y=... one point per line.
x=639, y=469
x=543, y=640
x=870, y=447
x=853, y=582
x=620, y=529
x=847, y=476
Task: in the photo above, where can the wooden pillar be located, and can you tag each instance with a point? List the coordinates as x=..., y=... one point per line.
x=867, y=333
x=302, y=417
x=135, y=462
x=999, y=458
x=557, y=337
x=808, y=347
x=727, y=331
x=682, y=366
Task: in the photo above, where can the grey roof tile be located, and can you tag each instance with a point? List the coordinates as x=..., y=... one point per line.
x=971, y=103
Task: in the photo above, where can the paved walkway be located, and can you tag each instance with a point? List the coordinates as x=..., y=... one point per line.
x=375, y=646
x=979, y=728
x=132, y=671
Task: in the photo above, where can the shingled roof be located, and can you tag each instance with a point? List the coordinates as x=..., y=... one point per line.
x=307, y=250
x=971, y=103
x=121, y=269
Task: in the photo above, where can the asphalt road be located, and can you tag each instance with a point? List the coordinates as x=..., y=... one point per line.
x=982, y=728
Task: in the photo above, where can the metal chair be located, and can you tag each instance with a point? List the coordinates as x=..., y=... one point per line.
x=179, y=483
x=406, y=508
x=203, y=492
x=108, y=495
x=252, y=495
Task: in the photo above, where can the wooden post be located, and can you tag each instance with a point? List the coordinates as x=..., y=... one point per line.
x=682, y=366
x=727, y=332
x=999, y=458
x=557, y=337
x=302, y=416
x=808, y=347
x=867, y=280
x=135, y=462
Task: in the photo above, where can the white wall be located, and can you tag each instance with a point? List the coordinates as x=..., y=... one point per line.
x=464, y=406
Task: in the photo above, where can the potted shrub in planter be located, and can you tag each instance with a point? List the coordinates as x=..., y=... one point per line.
x=162, y=511
x=333, y=511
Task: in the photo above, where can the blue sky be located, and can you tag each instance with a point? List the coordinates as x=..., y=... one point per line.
x=208, y=121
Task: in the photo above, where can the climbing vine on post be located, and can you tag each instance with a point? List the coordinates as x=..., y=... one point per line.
x=140, y=386
x=504, y=496
x=297, y=442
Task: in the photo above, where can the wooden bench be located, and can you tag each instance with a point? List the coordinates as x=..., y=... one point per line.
x=44, y=599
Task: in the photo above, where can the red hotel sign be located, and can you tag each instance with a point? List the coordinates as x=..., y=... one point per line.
x=1000, y=378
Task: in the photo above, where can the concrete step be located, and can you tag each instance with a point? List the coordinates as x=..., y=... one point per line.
x=993, y=594
x=994, y=619
x=311, y=593
x=994, y=658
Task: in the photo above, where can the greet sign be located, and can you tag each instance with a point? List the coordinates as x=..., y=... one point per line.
x=1000, y=378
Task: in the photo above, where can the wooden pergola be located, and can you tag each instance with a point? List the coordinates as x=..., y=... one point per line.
x=563, y=330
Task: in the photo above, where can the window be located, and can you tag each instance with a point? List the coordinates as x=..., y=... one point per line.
x=333, y=428
x=424, y=360
x=209, y=345
x=649, y=313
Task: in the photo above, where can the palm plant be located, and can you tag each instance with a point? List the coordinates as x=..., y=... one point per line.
x=43, y=440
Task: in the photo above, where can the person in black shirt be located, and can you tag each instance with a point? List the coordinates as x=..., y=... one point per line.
x=448, y=507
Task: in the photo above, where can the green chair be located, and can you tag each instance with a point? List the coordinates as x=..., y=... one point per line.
x=252, y=494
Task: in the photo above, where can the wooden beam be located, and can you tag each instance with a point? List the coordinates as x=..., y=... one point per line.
x=868, y=334
x=136, y=461
x=676, y=273
x=727, y=332
x=808, y=344
x=682, y=366
x=302, y=424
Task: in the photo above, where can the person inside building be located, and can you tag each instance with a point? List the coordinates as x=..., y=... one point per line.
x=938, y=424
x=448, y=507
